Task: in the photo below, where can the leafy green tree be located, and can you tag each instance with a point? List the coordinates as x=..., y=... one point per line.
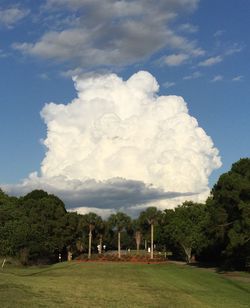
x=47, y=225
x=36, y=194
x=10, y=217
x=73, y=233
x=229, y=206
x=186, y=225
x=5, y=199
x=37, y=227
x=33, y=227
x=119, y=222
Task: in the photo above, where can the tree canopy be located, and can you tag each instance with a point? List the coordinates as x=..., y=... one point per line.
x=230, y=209
x=37, y=227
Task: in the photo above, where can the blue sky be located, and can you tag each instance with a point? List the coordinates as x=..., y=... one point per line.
x=199, y=50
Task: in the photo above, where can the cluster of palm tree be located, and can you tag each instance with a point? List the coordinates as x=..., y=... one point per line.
x=120, y=222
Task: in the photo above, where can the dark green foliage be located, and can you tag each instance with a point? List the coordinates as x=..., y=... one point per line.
x=91, y=221
x=186, y=227
x=36, y=227
x=119, y=221
x=36, y=194
x=147, y=217
x=230, y=214
x=150, y=216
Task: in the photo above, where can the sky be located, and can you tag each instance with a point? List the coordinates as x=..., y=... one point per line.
x=117, y=105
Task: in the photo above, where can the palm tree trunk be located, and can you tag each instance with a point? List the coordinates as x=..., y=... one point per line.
x=90, y=239
x=137, y=248
x=138, y=241
x=119, y=245
x=152, y=242
x=100, y=243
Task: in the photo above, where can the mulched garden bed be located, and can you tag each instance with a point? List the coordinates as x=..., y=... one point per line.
x=144, y=259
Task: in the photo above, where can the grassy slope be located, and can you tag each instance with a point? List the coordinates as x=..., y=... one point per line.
x=119, y=285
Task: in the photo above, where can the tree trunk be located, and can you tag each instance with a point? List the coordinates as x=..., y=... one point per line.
x=138, y=241
x=119, y=245
x=100, y=243
x=137, y=248
x=188, y=252
x=69, y=256
x=152, y=242
x=146, y=245
x=69, y=253
x=90, y=240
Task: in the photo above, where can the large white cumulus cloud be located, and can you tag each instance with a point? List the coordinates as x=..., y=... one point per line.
x=121, y=137
x=119, y=128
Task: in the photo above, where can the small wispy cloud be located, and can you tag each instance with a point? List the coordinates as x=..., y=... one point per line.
x=219, y=33
x=211, y=61
x=235, y=48
x=71, y=72
x=194, y=75
x=188, y=28
x=12, y=15
x=168, y=84
x=237, y=78
x=176, y=59
x=3, y=54
x=197, y=52
x=44, y=76
x=217, y=78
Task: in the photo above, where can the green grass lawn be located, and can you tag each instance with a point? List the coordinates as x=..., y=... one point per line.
x=120, y=285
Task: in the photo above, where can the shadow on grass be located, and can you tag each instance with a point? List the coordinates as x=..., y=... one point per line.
x=38, y=271
x=235, y=284
x=233, y=278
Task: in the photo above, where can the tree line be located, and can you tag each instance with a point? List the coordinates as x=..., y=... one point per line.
x=36, y=228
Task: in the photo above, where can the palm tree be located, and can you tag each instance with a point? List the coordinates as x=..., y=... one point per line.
x=138, y=240
x=137, y=234
x=101, y=229
x=151, y=216
x=119, y=222
x=91, y=221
